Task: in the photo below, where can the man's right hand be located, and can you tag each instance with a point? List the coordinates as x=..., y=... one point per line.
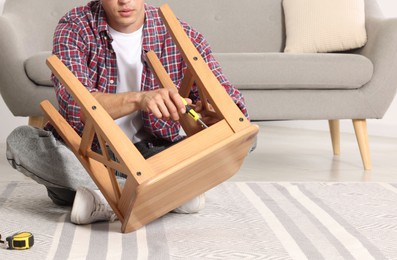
x=163, y=103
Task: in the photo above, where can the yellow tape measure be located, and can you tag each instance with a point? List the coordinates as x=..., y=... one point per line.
x=19, y=241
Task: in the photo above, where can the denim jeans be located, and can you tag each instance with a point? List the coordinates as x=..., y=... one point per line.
x=39, y=155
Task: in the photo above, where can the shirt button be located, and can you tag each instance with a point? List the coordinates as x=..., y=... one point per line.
x=111, y=81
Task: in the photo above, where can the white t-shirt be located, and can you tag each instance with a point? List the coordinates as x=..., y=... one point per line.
x=128, y=49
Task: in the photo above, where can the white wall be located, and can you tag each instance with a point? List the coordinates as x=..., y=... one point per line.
x=389, y=7
x=385, y=127
x=1, y=5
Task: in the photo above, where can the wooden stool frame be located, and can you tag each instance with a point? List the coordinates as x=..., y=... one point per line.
x=157, y=185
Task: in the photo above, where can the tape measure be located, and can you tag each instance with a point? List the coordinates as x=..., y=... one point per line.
x=19, y=241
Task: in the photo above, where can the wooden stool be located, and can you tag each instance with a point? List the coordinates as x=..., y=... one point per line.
x=163, y=182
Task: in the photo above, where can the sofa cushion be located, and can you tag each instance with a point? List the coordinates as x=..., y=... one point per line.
x=37, y=70
x=259, y=26
x=296, y=71
x=324, y=25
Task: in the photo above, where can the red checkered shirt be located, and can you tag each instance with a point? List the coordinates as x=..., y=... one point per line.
x=83, y=43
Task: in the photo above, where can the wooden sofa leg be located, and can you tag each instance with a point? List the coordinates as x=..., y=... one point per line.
x=360, y=127
x=36, y=121
x=334, y=130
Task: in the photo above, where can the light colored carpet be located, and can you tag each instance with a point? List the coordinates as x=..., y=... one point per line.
x=242, y=220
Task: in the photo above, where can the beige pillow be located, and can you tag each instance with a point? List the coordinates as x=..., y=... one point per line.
x=324, y=25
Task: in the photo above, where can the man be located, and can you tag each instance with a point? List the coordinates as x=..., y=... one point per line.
x=104, y=45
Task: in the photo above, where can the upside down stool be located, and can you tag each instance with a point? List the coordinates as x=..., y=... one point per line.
x=157, y=185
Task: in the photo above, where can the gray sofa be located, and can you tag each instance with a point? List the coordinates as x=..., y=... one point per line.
x=248, y=40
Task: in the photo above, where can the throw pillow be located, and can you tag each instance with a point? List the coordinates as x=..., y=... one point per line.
x=324, y=25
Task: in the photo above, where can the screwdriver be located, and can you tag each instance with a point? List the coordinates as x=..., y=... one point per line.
x=193, y=114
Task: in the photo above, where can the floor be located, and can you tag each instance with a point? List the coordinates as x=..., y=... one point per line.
x=286, y=154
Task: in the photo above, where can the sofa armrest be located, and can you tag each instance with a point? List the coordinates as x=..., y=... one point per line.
x=15, y=87
x=381, y=49
x=382, y=39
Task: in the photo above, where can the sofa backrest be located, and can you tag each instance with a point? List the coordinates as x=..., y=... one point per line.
x=35, y=21
x=234, y=26
x=230, y=26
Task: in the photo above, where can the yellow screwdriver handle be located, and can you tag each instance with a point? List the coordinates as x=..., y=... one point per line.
x=190, y=110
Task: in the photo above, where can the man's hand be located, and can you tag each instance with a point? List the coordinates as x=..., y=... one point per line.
x=163, y=103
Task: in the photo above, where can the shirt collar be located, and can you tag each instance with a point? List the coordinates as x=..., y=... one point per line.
x=102, y=23
x=149, y=29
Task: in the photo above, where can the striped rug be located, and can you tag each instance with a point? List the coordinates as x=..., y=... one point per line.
x=241, y=220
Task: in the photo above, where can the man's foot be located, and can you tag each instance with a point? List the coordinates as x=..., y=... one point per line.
x=192, y=206
x=90, y=206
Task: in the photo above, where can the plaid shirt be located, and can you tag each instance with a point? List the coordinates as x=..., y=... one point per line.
x=83, y=43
